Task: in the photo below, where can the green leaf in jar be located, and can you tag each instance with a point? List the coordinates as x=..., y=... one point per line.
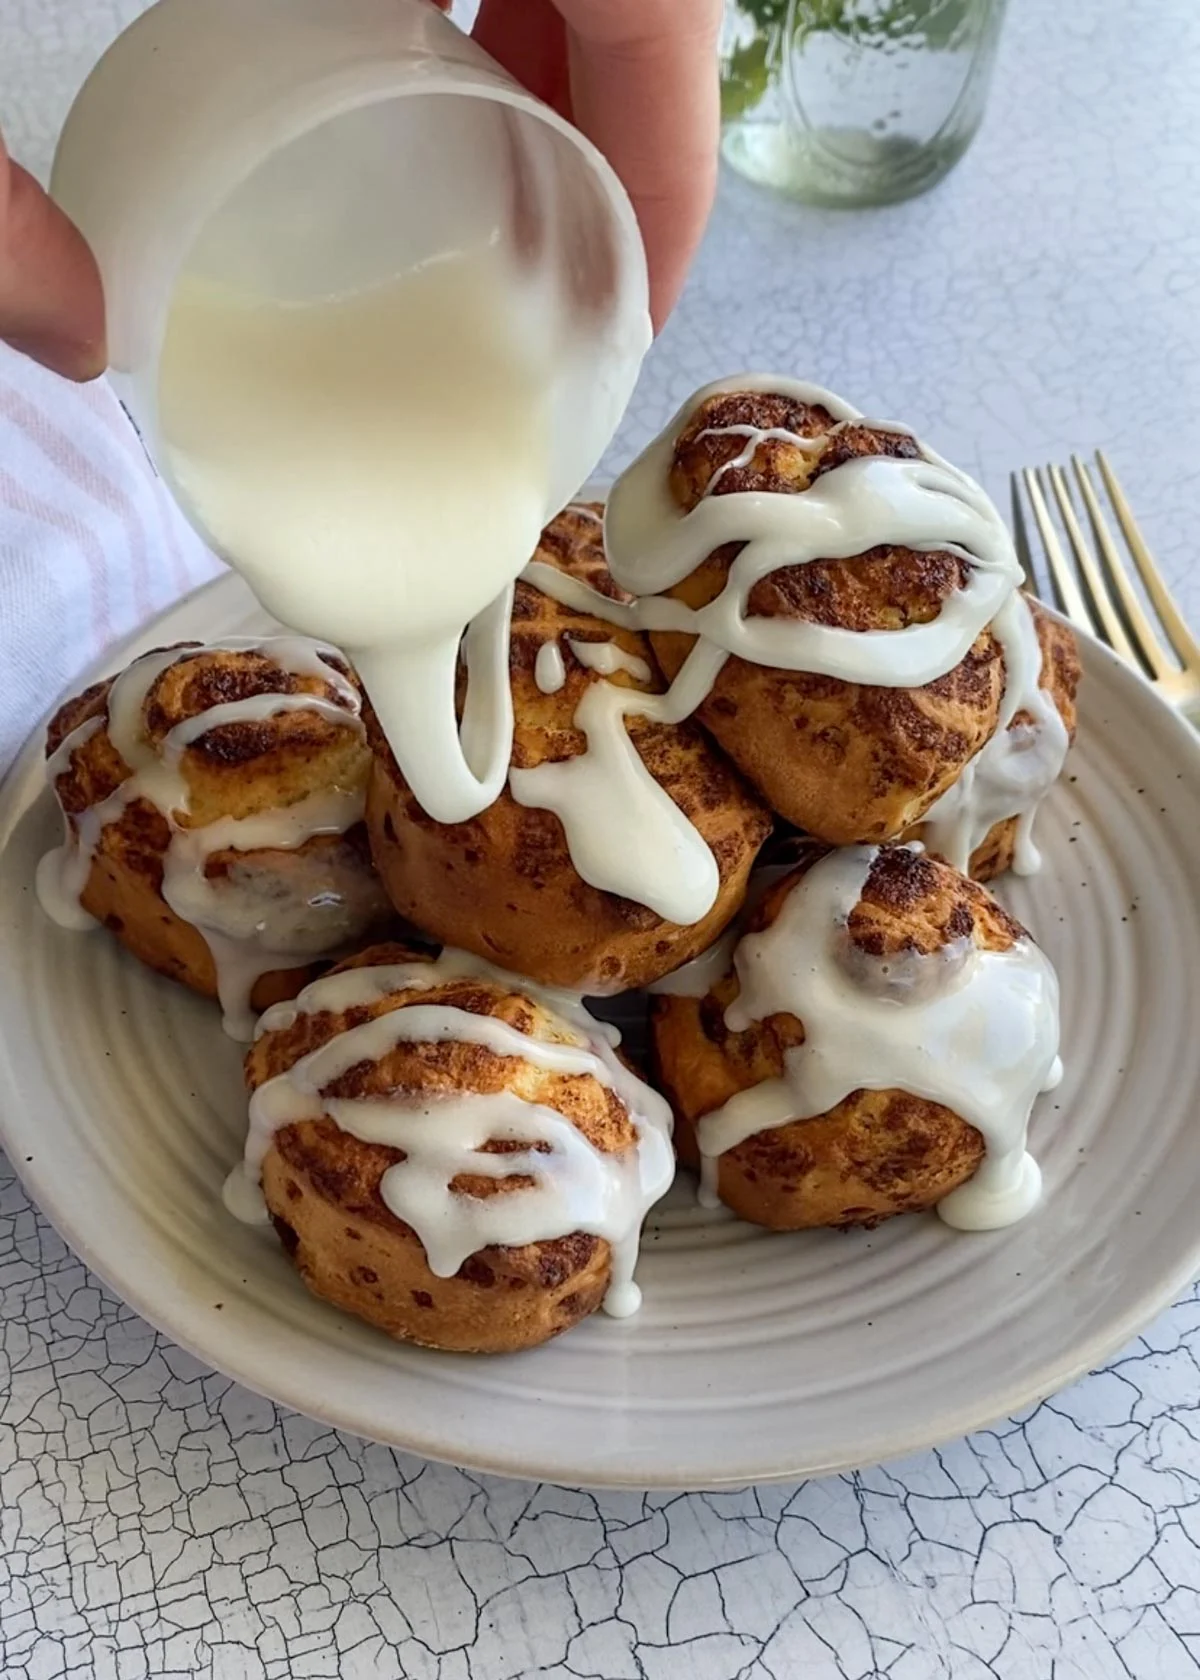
x=750, y=64
x=745, y=77
x=936, y=24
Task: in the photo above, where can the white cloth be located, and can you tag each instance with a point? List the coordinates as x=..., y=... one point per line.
x=91, y=544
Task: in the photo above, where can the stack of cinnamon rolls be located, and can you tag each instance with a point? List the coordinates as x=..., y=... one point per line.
x=780, y=709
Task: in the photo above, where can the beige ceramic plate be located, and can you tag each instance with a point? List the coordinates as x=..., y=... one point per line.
x=755, y=1356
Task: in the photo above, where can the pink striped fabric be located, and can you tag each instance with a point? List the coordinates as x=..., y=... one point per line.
x=91, y=544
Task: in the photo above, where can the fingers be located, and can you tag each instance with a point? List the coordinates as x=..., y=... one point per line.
x=51, y=301
x=642, y=78
x=644, y=90
x=529, y=38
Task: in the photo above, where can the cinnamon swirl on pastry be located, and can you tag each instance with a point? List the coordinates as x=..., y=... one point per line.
x=621, y=845
x=829, y=595
x=450, y=1153
x=213, y=801
x=874, y=1047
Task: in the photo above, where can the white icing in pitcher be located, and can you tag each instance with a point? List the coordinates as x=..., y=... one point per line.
x=576, y=1187
x=402, y=472
x=1016, y=768
x=248, y=932
x=974, y=1030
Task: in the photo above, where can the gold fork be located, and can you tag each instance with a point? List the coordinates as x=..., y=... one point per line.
x=1097, y=592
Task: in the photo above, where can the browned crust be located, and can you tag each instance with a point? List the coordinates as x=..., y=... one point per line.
x=777, y=465
x=323, y=1185
x=238, y=770
x=503, y=884
x=845, y=761
x=875, y=1154
x=500, y=1301
x=449, y=1068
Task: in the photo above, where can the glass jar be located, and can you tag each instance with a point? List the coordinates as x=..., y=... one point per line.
x=854, y=102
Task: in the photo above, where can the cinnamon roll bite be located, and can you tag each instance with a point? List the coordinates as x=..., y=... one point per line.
x=450, y=1153
x=874, y=1047
x=622, y=843
x=831, y=598
x=213, y=800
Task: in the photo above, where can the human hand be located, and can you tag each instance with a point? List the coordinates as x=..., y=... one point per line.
x=639, y=78
x=51, y=301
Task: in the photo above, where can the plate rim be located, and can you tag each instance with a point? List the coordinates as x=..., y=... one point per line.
x=38, y=1183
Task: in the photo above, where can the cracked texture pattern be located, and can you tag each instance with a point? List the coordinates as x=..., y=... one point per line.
x=158, y=1521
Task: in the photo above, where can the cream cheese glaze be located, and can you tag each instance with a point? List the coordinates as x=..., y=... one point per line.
x=861, y=504
x=248, y=933
x=606, y=658
x=607, y=795
x=625, y=833
x=1014, y=771
x=609, y=657
x=972, y=1029
x=576, y=1187
x=549, y=672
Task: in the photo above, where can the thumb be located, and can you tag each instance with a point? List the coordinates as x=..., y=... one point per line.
x=51, y=300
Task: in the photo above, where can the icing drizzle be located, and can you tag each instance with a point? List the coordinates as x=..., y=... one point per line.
x=248, y=932
x=608, y=658
x=549, y=672
x=1016, y=768
x=575, y=1186
x=972, y=1029
x=606, y=796
x=921, y=504
x=625, y=833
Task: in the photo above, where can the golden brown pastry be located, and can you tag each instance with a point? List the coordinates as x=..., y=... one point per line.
x=845, y=761
x=356, y=1216
x=213, y=800
x=885, y=947
x=1035, y=745
x=504, y=884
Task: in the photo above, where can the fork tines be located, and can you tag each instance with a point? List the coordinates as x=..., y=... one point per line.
x=1093, y=585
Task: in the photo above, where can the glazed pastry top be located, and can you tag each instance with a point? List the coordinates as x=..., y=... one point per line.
x=621, y=766
x=766, y=443
x=507, y=1116
x=242, y=747
x=771, y=522
x=879, y=968
x=679, y=503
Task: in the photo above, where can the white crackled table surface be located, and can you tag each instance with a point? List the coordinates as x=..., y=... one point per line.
x=158, y=1521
